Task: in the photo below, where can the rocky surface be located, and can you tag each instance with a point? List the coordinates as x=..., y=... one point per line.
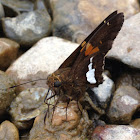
x=104, y=91
x=10, y=12
x=8, y=52
x=58, y=126
x=85, y=15
x=26, y=106
x=6, y=94
x=136, y=123
x=8, y=131
x=40, y=5
x=126, y=46
x=129, y=79
x=27, y=28
x=116, y=132
x=125, y=102
x=20, y=6
x=1, y=11
x=41, y=60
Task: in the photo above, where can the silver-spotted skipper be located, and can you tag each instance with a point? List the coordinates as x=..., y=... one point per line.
x=84, y=67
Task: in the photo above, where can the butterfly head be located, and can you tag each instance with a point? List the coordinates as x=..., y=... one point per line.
x=54, y=81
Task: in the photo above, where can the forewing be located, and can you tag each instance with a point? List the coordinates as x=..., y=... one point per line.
x=71, y=59
x=96, y=48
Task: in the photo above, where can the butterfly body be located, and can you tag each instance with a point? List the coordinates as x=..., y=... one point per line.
x=62, y=84
x=84, y=67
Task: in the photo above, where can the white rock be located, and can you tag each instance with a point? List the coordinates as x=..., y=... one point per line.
x=104, y=90
x=46, y=56
x=126, y=47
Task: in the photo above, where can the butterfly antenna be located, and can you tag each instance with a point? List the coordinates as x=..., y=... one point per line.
x=24, y=83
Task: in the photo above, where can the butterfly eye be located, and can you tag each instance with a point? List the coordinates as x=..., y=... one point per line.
x=57, y=84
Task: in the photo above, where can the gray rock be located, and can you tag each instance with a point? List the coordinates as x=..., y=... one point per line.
x=126, y=46
x=27, y=28
x=116, y=132
x=90, y=99
x=74, y=20
x=18, y=5
x=39, y=5
x=125, y=102
x=10, y=11
x=1, y=11
x=6, y=94
x=129, y=79
x=104, y=91
x=41, y=60
x=8, y=52
x=26, y=106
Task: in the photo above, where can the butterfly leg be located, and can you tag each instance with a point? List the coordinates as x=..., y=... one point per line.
x=54, y=106
x=46, y=96
x=46, y=102
x=47, y=113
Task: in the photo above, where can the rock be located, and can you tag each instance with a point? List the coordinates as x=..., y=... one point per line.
x=91, y=103
x=6, y=94
x=72, y=127
x=41, y=60
x=26, y=106
x=2, y=14
x=8, y=131
x=8, y=52
x=10, y=12
x=116, y=132
x=1, y=11
x=136, y=123
x=24, y=136
x=40, y=5
x=27, y=28
x=85, y=15
x=126, y=46
x=98, y=98
x=129, y=78
x=124, y=104
x=18, y=5
x=104, y=91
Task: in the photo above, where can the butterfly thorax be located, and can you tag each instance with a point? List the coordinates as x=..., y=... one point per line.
x=62, y=84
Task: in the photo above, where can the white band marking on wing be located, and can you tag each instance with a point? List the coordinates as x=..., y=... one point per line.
x=91, y=73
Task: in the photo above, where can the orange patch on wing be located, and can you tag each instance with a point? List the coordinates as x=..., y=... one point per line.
x=88, y=45
x=84, y=42
x=82, y=49
x=94, y=50
x=83, y=46
x=89, y=48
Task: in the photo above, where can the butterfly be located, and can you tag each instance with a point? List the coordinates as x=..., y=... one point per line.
x=84, y=67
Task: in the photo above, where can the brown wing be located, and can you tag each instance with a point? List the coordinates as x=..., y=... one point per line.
x=97, y=44
x=71, y=59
